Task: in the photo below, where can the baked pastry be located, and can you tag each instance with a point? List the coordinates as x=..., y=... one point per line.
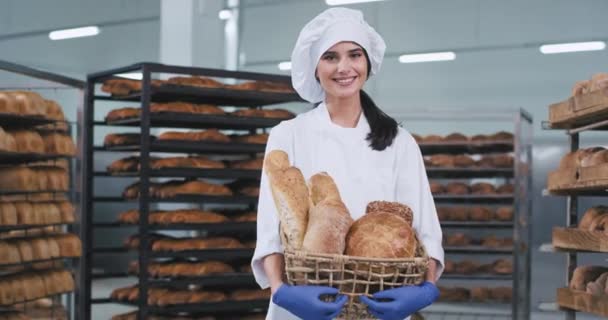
x=463, y=161
x=186, y=162
x=129, y=164
x=436, y=187
x=478, y=213
x=250, y=164
x=58, y=144
x=432, y=138
x=457, y=188
x=506, y=188
x=202, y=82
x=441, y=160
x=123, y=113
x=504, y=214
x=466, y=267
x=245, y=295
x=195, y=244
x=7, y=141
x=456, y=137
x=28, y=141
x=457, y=239
x=261, y=138
x=204, y=135
x=483, y=188
x=501, y=136
x=176, y=188
x=264, y=113
x=183, y=107
x=502, y=266
x=118, y=139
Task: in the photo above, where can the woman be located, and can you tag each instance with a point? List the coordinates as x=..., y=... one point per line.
x=367, y=154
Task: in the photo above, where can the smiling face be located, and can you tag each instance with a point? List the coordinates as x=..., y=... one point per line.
x=342, y=70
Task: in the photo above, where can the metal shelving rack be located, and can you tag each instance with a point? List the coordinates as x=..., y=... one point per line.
x=146, y=121
x=30, y=79
x=520, y=175
x=573, y=131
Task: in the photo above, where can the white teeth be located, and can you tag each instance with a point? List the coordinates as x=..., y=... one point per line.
x=345, y=81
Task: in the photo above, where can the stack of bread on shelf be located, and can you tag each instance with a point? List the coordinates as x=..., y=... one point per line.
x=582, y=168
x=588, y=103
x=132, y=163
x=210, y=135
x=476, y=294
x=474, y=213
x=122, y=87
x=459, y=138
x=34, y=207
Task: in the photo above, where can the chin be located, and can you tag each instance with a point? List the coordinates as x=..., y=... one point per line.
x=342, y=94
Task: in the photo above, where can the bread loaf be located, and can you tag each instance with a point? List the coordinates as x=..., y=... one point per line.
x=463, y=161
x=203, y=82
x=9, y=253
x=8, y=214
x=67, y=211
x=506, y=188
x=29, y=103
x=466, y=267
x=18, y=179
x=69, y=245
x=59, y=144
x=123, y=113
x=581, y=87
x=458, y=239
x=599, y=81
x=28, y=141
x=328, y=224
x=261, y=138
x=583, y=275
x=436, y=187
x=264, y=113
x=263, y=86
x=454, y=294
x=121, y=87
x=504, y=214
x=477, y=213
x=391, y=207
x=129, y=164
x=483, y=188
x=250, y=216
x=441, y=160
x=8, y=103
x=183, y=107
x=186, y=162
x=250, y=164
x=290, y=195
x=502, y=266
x=457, y=188
x=381, y=235
x=176, y=188
x=501, y=136
x=7, y=141
x=598, y=286
x=204, y=135
x=119, y=139
x=245, y=295
x=480, y=294
x=456, y=137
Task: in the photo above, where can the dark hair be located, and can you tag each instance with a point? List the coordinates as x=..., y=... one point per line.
x=383, y=128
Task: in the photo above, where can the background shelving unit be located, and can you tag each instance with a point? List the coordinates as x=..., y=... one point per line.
x=518, y=122
x=69, y=93
x=147, y=122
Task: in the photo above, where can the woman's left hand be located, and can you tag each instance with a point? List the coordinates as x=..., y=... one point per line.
x=401, y=302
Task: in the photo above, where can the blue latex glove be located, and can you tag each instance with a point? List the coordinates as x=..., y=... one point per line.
x=399, y=303
x=304, y=302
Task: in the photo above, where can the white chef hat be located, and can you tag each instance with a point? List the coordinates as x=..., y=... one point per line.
x=332, y=26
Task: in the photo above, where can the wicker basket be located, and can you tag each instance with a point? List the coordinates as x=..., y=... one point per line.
x=354, y=276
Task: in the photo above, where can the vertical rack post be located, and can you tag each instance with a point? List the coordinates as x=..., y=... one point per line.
x=571, y=219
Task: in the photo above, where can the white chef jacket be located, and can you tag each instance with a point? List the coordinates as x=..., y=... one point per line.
x=315, y=144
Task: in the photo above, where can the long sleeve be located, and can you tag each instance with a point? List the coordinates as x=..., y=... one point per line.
x=268, y=239
x=413, y=189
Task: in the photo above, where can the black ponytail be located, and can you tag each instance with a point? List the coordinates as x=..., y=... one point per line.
x=383, y=128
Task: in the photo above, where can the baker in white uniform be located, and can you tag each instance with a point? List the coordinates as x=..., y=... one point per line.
x=366, y=153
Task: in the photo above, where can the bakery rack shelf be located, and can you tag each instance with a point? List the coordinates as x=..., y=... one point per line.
x=477, y=224
x=196, y=121
x=197, y=308
x=477, y=250
x=238, y=199
x=147, y=92
x=572, y=129
x=64, y=90
x=453, y=173
x=233, y=227
x=236, y=278
x=428, y=148
x=478, y=148
x=12, y=158
x=35, y=299
x=582, y=301
x=201, y=147
x=190, y=173
x=574, y=239
x=469, y=198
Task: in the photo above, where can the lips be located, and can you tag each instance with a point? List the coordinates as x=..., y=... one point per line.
x=345, y=81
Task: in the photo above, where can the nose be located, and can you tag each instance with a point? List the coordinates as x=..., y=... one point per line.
x=343, y=65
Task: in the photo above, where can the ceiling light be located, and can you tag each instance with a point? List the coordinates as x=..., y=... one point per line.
x=225, y=14
x=285, y=65
x=74, y=33
x=427, y=57
x=342, y=2
x=134, y=75
x=572, y=47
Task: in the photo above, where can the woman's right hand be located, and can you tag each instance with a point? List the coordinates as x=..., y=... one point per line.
x=304, y=302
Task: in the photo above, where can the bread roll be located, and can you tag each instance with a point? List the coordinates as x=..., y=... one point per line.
x=7, y=141
x=504, y=214
x=436, y=188
x=123, y=113
x=391, y=207
x=584, y=274
x=480, y=294
x=381, y=235
x=458, y=213
x=59, y=144
x=28, y=141
x=457, y=188
x=457, y=239
x=477, y=213
x=8, y=214
x=456, y=137
x=483, y=188
x=290, y=195
x=463, y=161
x=441, y=160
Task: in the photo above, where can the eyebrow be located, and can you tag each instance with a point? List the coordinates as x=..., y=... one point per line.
x=349, y=51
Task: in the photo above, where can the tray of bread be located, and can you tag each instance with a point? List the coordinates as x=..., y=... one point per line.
x=591, y=233
x=457, y=143
x=194, y=166
x=30, y=286
x=587, y=104
x=255, y=315
x=481, y=192
x=196, y=89
x=449, y=166
x=581, y=171
x=203, y=141
x=350, y=259
x=586, y=291
x=481, y=294
x=188, y=115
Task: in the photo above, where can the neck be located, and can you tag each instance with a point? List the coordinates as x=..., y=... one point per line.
x=344, y=112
